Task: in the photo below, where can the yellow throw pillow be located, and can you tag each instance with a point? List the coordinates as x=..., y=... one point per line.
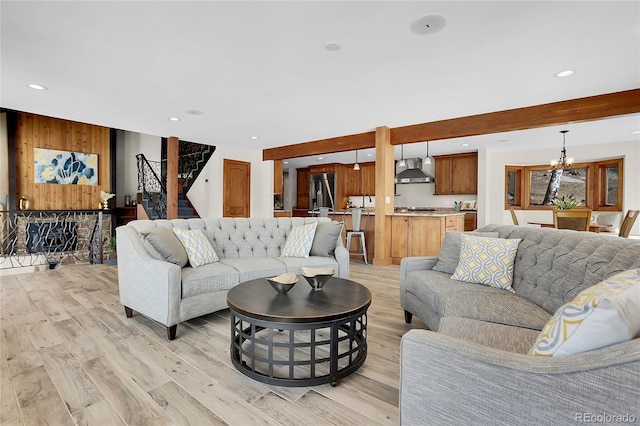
x=198, y=248
x=488, y=261
x=299, y=241
x=602, y=315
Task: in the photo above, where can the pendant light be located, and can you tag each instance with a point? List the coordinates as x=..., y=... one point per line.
x=402, y=163
x=564, y=163
x=356, y=166
x=427, y=159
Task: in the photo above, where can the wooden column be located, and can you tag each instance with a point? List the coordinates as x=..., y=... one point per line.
x=384, y=195
x=173, y=149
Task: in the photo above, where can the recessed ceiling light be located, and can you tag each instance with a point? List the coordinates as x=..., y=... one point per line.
x=465, y=144
x=37, y=86
x=565, y=73
x=428, y=24
x=286, y=162
x=174, y=119
x=369, y=155
x=332, y=46
x=255, y=137
x=320, y=158
x=194, y=112
x=636, y=132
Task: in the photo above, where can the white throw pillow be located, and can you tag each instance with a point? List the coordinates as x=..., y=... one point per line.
x=299, y=241
x=602, y=315
x=198, y=248
x=488, y=261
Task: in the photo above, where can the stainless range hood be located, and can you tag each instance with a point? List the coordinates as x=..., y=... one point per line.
x=413, y=173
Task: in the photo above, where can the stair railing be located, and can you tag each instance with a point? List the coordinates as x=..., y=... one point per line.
x=153, y=189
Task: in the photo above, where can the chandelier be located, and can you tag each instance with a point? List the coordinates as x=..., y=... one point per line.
x=564, y=163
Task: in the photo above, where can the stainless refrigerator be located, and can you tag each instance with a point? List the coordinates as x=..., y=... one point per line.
x=322, y=191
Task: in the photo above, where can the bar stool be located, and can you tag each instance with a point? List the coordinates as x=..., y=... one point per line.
x=355, y=231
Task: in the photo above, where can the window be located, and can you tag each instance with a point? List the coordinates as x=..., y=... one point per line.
x=595, y=185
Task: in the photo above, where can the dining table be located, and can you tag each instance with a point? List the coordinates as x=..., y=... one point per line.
x=593, y=227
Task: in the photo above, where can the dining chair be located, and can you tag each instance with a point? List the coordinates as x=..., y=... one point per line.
x=627, y=223
x=514, y=217
x=577, y=220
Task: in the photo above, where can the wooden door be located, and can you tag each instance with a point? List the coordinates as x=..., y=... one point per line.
x=237, y=188
x=353, y=180
x=303, y=179
x=443, y=175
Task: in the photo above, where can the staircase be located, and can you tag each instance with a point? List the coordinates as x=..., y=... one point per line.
x=152, y=179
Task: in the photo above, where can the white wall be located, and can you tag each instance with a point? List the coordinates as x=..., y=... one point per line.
x=491, y=183
x=206, y=192
x=128, y=145
x=4, y=160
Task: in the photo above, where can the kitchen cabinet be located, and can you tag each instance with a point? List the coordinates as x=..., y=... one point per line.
x=125, y=215
x=456, y=174
x=360, y=182
x=470, y=221
x=302, y=193
x=421, y=235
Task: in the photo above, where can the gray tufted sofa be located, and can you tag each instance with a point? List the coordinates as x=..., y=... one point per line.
x=473, y=367
x=247, y=249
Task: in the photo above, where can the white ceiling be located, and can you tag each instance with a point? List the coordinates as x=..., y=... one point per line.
x=261, y=68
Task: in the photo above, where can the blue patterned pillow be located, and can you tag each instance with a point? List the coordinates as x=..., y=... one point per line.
x=487, y=261
x=299, y=241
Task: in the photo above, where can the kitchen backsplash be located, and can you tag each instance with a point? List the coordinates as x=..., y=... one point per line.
x=421, y=194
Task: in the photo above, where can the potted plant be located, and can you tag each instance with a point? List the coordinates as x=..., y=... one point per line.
x=565, y=203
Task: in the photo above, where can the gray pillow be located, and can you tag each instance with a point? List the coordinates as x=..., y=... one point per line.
x=449, y=256
x=326, y=238
x=166, y=244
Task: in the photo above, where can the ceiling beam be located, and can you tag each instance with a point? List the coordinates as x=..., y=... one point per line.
x=551, y=114
x=322, y=146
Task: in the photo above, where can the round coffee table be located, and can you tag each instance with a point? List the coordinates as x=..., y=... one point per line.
x=302, y=338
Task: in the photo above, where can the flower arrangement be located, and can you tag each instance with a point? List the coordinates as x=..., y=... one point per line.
x=565, y=203
x=105, y=197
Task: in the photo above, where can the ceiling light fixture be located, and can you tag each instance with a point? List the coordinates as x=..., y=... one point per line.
x=565, y=73
x=194, y=112
x=320, y=158
x=427, y=24
x=174, y=119
x=635, y=132
x=427, y=159
x=37, y=86
x=356, y=166
x=255, y=137
x=332, y=46
x=465, y=144
x=565, y=162
x=402, y=163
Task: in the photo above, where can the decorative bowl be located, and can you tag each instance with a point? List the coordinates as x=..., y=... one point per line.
x=284, y=282
x=317, y=277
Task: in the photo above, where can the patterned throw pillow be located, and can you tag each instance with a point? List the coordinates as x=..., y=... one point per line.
x=602, y=315
x=299, y=241
x=199, y=249
x=487, y=261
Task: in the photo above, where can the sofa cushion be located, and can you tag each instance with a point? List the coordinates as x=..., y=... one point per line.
x=449, y=255
x=487, y=261
x=326, y=238
x=199, y=250
x=293, y=264
x=603, y=315
x=163, y=244
x=208, y=278
x=449, y=298
x=257, y=267
x=498, y=336
x=299, y=241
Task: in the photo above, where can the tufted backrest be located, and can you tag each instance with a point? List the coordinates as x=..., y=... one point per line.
x=552, y=266
x=238, y=237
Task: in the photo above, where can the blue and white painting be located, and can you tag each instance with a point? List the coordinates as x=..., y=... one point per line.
x=65, y=167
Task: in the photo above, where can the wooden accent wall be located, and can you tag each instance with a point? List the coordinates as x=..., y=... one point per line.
x=36, y=131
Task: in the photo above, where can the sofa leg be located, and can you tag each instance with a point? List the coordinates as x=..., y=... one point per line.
x=171, y=332
x=128, y=312
x=407, y=317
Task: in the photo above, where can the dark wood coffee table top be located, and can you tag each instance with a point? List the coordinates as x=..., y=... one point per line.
x=338, y=298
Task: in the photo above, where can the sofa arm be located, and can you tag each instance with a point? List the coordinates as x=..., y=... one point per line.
x=416, y=263
x=445, y=380
x=342, y=257
x=149, y=286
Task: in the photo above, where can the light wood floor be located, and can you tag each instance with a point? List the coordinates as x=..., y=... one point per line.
x=70, y=356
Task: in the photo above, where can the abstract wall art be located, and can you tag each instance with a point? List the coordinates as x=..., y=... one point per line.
x=65, y=167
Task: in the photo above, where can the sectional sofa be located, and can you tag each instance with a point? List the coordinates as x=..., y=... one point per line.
x=157, y=283
x=476, y=363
